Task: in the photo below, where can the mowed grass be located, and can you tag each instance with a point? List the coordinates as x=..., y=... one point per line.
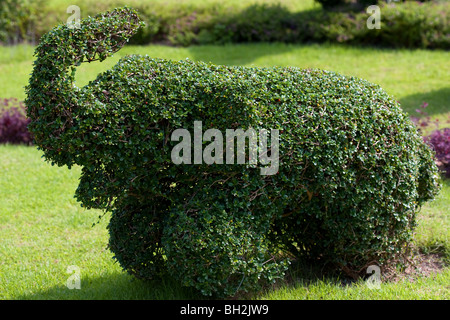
x=293, y=5
x=410, y=76
x=43, y=231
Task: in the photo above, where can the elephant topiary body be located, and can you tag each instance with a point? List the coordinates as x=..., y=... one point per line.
x=353, y=170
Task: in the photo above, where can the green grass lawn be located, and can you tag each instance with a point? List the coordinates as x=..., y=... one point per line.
x=291, y=4
x=411, y=76
x=43, y=231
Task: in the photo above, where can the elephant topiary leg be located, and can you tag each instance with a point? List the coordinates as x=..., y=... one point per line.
x=135, y=239
x=219, y=248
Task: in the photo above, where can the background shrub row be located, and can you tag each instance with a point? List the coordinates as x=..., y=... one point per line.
x=411, y=24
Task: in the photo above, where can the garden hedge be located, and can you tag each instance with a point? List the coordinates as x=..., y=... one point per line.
x=408, y=24
x=353, y=170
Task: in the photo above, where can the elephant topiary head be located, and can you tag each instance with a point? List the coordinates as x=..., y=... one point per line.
x=351, y=170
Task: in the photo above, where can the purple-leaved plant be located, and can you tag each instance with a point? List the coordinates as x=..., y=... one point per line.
x=14, y=122
x=438, y=139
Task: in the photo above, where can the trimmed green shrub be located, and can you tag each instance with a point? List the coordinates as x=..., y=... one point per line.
x=412, y=25
x=353, y=169
x=415, y=25
x=18, y=19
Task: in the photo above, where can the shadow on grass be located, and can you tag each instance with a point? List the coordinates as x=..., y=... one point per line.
x=438, y=102
x=302, y=276
x=121, y=286
x=117, y=286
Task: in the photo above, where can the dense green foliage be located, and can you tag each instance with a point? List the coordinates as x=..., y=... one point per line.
x=410, y=25
x=353, y=168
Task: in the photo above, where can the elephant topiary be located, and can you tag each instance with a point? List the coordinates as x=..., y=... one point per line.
x=351, y=169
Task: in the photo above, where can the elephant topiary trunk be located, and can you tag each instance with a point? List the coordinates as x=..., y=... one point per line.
x=352, y=169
